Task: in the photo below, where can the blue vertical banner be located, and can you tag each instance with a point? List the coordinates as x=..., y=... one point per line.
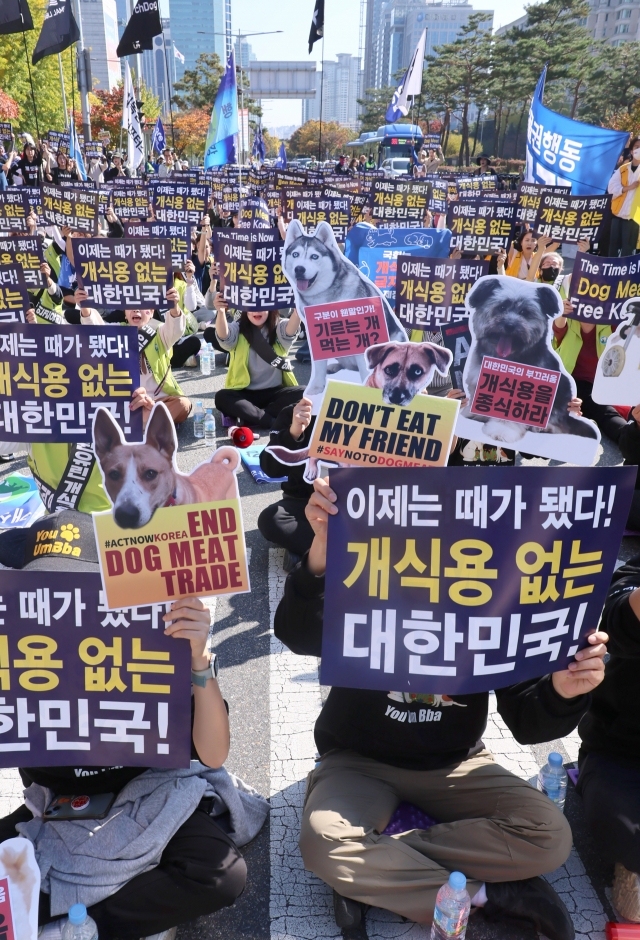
x=564, y=152
x=220, y=144
x=158, y=138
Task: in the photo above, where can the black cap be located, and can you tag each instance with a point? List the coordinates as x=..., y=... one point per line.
x=63, y=541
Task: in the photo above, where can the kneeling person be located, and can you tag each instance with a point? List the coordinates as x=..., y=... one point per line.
x=493, y=826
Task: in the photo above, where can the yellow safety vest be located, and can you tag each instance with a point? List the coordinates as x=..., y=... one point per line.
x=238, y=376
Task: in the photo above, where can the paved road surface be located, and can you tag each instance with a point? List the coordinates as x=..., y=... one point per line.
x=274, y=698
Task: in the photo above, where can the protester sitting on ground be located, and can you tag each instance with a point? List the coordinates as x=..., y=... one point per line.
x=157, y=380
x=492, y=825
x=178, y=871
x=260, y=381
x=623, y=239
x=579, y=346
x=609, y=760
x=118, y=170
x=285, y=522
x=28, y=168
x=62, y=172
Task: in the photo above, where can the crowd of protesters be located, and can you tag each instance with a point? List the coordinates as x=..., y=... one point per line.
x=487, y=822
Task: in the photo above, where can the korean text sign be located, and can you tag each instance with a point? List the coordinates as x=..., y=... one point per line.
x=345, y=327
x=600, y=286
x=251, y=274
x=336, y=210
x=84, y=686
x=53, y=380
x=183, y=551
x=14, y=299
x=528, y=199
x=14, y=209
x=571, y=218
x=77, y=208
x=124, y=272
x=431, y=291
x=130, y=202
x=358, y=427
x=441, y=584
x=402, y=202
x=179, y=202
x=25, y=251
x=516, y=392
x=480, y=225
x=179, y=234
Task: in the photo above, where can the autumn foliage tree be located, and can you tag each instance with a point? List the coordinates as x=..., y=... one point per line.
x=305, y=140
x=190, y=131
x=106, y=111
x=9, y=109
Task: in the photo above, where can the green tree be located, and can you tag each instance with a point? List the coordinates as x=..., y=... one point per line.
x=613, y=91
x=375, y=104
x=198, y=87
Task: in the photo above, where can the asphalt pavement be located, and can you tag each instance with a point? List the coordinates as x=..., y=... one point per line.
x=273, y=699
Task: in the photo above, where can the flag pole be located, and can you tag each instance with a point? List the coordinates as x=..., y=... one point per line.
x=166, y=65
x=64, y=97
x=33, y=97
x=321, y=93
x=73, y=92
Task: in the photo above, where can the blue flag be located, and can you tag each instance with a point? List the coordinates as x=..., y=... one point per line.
x=75, y=153
x=281, y=162
x=259, y=149
x=224, y=119
x=394, y=113
x=158, y=138
x=561, y=151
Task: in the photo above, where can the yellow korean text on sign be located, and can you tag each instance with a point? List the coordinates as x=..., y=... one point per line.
x=184, y=551
x=356, y=427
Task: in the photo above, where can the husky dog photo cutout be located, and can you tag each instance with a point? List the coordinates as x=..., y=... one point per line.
x=518, y=391
x=320, y=274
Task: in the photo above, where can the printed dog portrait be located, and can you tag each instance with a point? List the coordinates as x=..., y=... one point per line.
x=512, y=320
x=402, y=370
x=319, y=274
x=140, y=478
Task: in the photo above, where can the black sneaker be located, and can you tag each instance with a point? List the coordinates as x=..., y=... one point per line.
x=532, y=900
x=348, y=913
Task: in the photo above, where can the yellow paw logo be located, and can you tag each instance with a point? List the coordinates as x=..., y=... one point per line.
x=69, y=532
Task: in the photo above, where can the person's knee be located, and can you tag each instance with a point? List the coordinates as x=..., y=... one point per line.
x=548, y=830
x=267, y=523
x=322, y=836
x=232, y=883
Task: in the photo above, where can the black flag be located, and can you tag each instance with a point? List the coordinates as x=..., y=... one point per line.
x=59, y=30
x=317, y=23
x=141, y=28
x=15, y=16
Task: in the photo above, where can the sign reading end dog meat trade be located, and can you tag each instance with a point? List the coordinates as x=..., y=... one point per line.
x=515, y=392
x=168, y=534
x=359, y=426
x=345, y=327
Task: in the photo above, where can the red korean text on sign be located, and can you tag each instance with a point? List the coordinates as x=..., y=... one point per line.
x=515, y=392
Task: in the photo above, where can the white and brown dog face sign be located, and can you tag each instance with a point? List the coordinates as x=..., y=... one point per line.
x=140, y=478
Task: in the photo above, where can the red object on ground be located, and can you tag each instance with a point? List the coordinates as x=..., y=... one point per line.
x=622, y=931
x=241, y=437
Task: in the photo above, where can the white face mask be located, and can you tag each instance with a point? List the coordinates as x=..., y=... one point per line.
x=636, y=154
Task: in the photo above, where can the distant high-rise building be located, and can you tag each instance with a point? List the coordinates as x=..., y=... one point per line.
x=199, y=26
x=100, y=34
x=244, y=53
x=393, y=28
x=340, y=92
x=122, y=7
x=613, y=21
x=158, y=67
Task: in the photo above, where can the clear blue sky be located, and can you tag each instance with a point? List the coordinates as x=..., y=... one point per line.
x=342, y=19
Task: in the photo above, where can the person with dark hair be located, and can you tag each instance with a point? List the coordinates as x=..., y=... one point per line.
x=260, y=381
x=623, y=239
x=28, y=167
x=378, y=748
x=62, y=172
x=177, y=857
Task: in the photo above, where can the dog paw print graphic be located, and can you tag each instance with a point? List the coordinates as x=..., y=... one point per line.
x=69, y=532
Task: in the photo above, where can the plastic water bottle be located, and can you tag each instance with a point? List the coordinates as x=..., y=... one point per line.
x=198, y=420
x=212, y=357
x=451, y=914
x=209, y=427
x=205, y=360
x=79, y=926
x=552, y=780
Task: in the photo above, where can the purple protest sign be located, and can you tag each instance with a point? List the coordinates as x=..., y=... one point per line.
x=254, y=213
x=131, y=202
x=178, y=233
x=334, y=209
x=528, y=199
x=14, y=209
x=53, y=380
x=14, y=299
x=481, y=225
x=401, y=203
x=25, y=251
x=250, y=266
x=77, y=208
x=76, y=688
x=431, y=291
x=438, y=585
x=570, y=219
x=125, y=272
x=178, y=202
x=599, y=287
